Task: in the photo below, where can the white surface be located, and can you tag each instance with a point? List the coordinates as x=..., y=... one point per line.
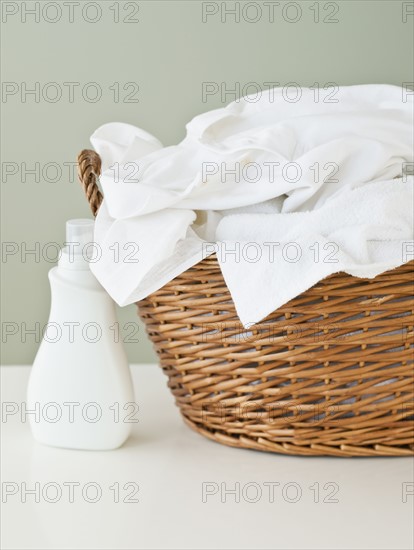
x=169, y=462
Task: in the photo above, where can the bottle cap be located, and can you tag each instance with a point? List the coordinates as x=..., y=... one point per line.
x=79, y=233
x=76, y=253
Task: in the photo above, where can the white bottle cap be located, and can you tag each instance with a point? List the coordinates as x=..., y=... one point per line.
x=76, y=254
x=79, y=231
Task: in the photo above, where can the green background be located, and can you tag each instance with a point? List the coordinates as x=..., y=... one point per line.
x=169, y=53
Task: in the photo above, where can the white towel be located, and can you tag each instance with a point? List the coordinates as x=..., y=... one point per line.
x=302, y=174
x=363, y=232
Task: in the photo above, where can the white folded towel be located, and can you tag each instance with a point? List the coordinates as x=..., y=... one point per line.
x=325, y=180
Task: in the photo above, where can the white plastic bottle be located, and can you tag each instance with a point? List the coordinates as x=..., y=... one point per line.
x=80, y=393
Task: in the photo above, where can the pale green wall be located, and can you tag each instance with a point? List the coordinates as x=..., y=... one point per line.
x=169, y=53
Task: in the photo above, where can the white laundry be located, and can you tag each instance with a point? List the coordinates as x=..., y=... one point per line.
x=363, y=232
x=327, y=181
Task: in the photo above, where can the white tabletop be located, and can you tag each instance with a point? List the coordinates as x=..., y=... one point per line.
x=364, y=503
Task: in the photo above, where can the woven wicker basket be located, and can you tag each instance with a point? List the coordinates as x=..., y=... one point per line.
x=329, y=373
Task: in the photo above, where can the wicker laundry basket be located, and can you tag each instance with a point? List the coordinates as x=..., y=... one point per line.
x=329, y=373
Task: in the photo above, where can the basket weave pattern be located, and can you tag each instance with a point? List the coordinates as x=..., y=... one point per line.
x=329, y=373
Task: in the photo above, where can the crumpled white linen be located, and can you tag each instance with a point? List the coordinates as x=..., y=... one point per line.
x=320, y=173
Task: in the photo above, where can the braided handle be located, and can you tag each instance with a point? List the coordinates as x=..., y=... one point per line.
x=89, y=169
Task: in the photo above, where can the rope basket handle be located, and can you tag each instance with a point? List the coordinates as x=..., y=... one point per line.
x=89, y=169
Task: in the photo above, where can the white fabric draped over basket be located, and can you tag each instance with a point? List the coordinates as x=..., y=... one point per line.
x=285, y=193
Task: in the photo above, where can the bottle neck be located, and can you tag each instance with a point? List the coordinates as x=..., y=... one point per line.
x=74, y=262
